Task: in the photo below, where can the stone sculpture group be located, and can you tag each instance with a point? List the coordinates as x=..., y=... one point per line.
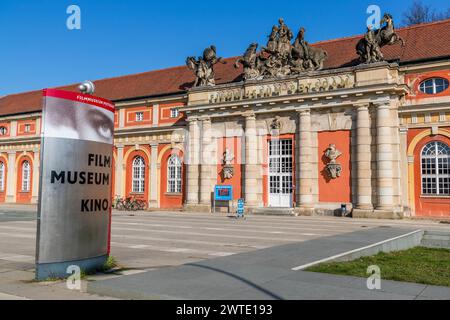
x=280, y=57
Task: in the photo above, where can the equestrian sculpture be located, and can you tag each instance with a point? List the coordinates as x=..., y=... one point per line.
x=369, y=47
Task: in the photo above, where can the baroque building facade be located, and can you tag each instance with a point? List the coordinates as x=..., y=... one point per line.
x=301, y=127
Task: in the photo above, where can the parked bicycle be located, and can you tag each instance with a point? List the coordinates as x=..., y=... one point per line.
x=129, y=204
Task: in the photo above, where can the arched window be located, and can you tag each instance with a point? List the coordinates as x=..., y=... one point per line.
x=26, y=176
x=138, y=175
x=2, y=176
x=174, y=174
x=435, y=163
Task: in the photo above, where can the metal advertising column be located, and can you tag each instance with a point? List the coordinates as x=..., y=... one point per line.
x=75, y=187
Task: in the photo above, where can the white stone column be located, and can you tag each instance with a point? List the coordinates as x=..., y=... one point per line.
x=384, y=157
x=153, y=199
x=305, y=198
x=404, y=168
x=118, y=174
x=11, y=178
x=208, y=162
x=192, y=197
x=396, y=172
x=252, y=170
x=35, y=187
x=363, y=159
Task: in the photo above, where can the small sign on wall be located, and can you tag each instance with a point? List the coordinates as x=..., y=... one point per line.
x=223, y=193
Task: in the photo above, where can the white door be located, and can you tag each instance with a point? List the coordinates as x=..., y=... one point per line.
x=280, y=173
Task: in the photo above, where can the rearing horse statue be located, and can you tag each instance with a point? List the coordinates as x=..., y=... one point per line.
x=368, y=48
x=387, y=34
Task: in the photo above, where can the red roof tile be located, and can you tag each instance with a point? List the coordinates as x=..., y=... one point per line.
x=423, y=41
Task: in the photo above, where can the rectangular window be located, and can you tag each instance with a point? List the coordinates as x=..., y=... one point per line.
x=174, y=113
x=27, y=128
x=139, y=116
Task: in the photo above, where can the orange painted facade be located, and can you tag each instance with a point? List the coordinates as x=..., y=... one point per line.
x=129, y=173
x=26, y=127
x=7, y=126
x=335, y=190
x=130, y=116
x=170, y=200
x=4, y=161
x=234, y=144
x=432, y=206
x=23, y=196
x=165, y=113
x=414, y=80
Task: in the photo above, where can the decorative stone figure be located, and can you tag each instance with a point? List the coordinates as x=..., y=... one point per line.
x=228, y=170
x=203, y=67
x=280, y=57
x=252, y=63
x=305, y=56
x=275, y=126
x=334, y=169
x=369, y=47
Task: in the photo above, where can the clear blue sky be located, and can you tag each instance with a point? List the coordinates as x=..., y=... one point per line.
x=120, y=37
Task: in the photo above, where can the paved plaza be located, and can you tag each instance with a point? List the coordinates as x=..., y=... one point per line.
x=159, y=241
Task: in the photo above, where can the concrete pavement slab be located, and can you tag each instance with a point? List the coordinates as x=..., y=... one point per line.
x=264, y=274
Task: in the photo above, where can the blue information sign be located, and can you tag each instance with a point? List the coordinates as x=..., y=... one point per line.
x=223, y=193
x=240, y=208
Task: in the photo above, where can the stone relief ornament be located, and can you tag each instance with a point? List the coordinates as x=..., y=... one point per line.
x=203, y=67
x=369, y=47
x=333, y=168
x=275, y=126
x=228, y=170
x=280, y=57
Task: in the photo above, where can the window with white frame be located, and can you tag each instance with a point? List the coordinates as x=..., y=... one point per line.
x=174, y=174
x=434, y=85
x=435, y=162
x=3, y=131
x=174, y=113
x=2, y=176
x=27, y=128
x=138, y=175
x=26, y=174
x=139, y=116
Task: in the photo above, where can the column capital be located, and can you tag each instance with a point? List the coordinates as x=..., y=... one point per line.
x=362, y=106
x=382, y=103
x=303, y=112
x=192, y=119
x=403, y=130
x=249, y=115
x=205, y=119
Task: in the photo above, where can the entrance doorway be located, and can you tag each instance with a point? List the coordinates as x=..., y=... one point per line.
x=280, y=173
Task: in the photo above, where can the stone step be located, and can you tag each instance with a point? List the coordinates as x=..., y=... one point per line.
x=273, y=211
x=436, y=239
x=436, y=244
x=437, y=233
